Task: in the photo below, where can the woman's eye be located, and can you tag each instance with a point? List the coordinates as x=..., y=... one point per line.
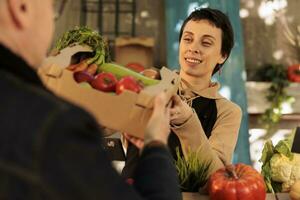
x=187, y=39
x=206, y=44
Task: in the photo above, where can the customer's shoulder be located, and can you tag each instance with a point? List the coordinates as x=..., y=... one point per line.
x=64, y=107
x=65, y=116
x=47, y=103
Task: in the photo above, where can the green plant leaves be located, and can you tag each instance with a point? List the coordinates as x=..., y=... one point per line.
x=192, y=172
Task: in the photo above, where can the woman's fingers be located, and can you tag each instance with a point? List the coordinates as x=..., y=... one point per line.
x=176, y=100
x=139, y=143
x=180, y=111
x=126, y=136
x=175, y=109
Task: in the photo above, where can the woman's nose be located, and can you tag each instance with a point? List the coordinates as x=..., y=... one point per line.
x=194, y=50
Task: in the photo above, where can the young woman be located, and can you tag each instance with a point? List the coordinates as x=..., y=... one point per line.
x=201, y=119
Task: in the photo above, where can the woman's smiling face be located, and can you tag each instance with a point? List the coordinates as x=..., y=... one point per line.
x=200, y=49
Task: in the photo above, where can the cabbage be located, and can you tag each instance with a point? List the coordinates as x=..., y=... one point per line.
x=281, y=167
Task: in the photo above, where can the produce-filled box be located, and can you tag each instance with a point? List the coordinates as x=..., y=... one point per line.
x=126, y=112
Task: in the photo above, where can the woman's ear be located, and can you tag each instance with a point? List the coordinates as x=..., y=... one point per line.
x=222, y=59
x=20, y=11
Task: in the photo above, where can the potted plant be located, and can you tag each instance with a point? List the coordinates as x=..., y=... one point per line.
x=192, y=174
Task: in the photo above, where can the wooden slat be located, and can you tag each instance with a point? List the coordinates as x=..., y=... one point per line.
x=197, y=196
x=256, y=92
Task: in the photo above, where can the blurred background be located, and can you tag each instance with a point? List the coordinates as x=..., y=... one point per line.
x=261, y=75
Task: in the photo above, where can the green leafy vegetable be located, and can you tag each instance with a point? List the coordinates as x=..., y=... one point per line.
x=86, y=36
x=284, y=147
x=280, y=166
x=267, y=153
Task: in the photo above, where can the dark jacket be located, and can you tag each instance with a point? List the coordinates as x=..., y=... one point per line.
x=50, y=149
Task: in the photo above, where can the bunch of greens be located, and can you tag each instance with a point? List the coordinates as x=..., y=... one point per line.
x=86, y=36
x=192, y=172
x=281, y=167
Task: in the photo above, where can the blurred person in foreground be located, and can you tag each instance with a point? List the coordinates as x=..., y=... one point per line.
x=51, y=149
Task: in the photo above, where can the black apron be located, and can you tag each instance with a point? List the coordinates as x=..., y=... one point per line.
x=206, y=110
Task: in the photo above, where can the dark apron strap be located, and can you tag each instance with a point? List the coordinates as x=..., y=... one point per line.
x=206, y=110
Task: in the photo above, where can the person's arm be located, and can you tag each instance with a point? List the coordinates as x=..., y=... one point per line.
x=73, y=164
x=154, y=171
x=220, y=146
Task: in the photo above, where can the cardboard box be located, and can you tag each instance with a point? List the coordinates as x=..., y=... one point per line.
x=128, y=112
x=134, y=50
x=198, y=196
x=283, y=196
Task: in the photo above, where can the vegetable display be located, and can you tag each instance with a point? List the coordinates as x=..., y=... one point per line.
x=281, y=167
x=121, y=71
x=96, y=69
x=236, y=182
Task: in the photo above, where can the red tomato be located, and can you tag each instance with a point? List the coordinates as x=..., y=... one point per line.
x=294, y=73
x=135, y=67
x=105, y=82
x=128, y=83
x=151, y=73
x=239, y=182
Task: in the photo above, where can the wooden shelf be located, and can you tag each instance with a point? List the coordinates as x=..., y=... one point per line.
x=257, y=104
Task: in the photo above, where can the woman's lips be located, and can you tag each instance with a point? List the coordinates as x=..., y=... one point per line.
x=192, y=61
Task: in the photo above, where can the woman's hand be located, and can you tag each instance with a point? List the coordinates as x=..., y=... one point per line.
x=180, y=111
x=158, y=127
x=138, y=142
